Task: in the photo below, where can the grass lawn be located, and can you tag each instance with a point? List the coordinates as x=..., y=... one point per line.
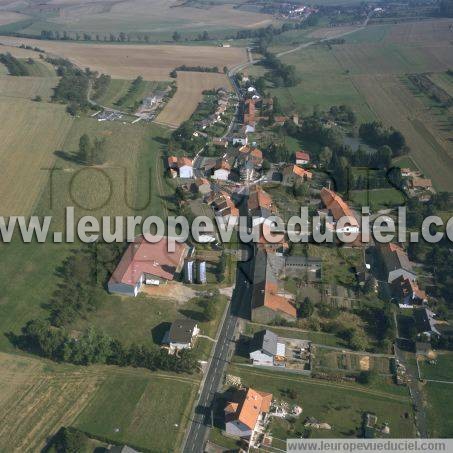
x=377, y=199
x=340, y=405
x=316, y=337
x=135, y=409
x=440, y=409
x=442, y=370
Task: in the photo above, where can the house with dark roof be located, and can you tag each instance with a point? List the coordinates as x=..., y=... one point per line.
x=266, y=350
x=181, y=335
x=425, y=320
x=147, y=263
x=395, y=261
x=248, y=412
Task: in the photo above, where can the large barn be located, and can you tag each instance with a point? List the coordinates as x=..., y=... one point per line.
x=145, y=262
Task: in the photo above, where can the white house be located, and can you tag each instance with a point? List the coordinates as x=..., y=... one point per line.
x=265, y=349
x=222, y=170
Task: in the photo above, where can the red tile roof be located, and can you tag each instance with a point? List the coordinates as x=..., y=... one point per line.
x=249, y=410
x=302, y=155
x=337, y=206
x=143, y=257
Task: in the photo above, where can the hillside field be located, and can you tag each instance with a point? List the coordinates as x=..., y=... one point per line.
x=153, y=62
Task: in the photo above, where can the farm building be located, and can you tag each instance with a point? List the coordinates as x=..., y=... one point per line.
x=247, y=413
x=181, y=335
x=146, y=263
x=302, y=158
x=395, y=261
x=266, y=350
x=292, y=174
x=182, y=165
x=268, y=302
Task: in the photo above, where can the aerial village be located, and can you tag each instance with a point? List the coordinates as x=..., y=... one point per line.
x=286, y=281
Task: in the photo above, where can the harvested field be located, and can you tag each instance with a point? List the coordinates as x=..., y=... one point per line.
x=421, y=33
x=38, y=397
x=394, y=103
x=330, y=32
x=31, y=132
x=36, y=400
x=129, y=61
x=188, y=96
x=27, y=87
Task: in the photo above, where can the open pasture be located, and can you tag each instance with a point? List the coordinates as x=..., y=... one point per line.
x=31, y=132
x=395, y=104
x=188, y=95
x=9, y=17
x=129, y=182
x=153, y=62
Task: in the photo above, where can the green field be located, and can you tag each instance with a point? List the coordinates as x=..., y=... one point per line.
x=136, y=410
x=129, y=182
x=323, y=83
x=440, y=409
x=340, y=405
x=38, y=68
x=118, y=89
x=377, y=199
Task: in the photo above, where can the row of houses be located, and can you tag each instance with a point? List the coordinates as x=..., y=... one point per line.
x=223, y=100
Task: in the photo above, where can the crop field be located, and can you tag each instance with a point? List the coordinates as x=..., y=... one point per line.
x=153, y=62
x=157, y=17
x=444, y=81
x=188, y=95
x=27, y=148
x=340, y=405
x=38, y=397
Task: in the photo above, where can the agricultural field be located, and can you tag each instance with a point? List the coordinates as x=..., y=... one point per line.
x=28, y=144
x=129, y=182
x=341, y=405
x=8, y=17
x=38, y=397
x=158, y=18
x=153, y=62
x=188, y=95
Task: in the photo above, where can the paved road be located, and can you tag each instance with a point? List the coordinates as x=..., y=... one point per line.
x=201, y=421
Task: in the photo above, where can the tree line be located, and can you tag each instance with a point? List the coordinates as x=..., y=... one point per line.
x=15, y=67
x=183, y=67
